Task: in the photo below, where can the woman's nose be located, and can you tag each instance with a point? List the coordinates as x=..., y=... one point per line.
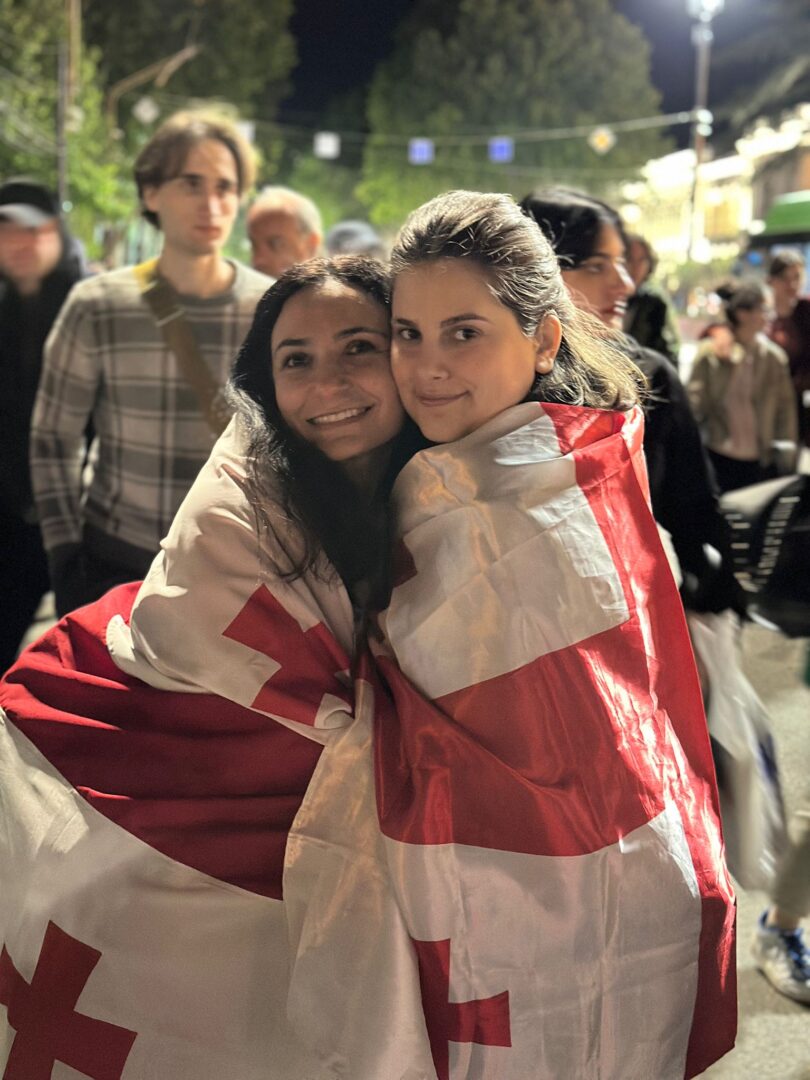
x=430, y=363
x=332, y=375
x=624, y=281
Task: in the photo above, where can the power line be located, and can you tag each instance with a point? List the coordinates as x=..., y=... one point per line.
x=474, y=138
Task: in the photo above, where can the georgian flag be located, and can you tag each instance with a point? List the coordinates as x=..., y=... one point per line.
x=219, y=857
x=544, y=780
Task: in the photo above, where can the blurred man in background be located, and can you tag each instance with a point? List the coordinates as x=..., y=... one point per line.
x=39, y=264
x=284, y=228
x=144, y=352
x=355, y=238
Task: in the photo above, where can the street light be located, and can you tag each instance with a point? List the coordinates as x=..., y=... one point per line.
x=702, y=11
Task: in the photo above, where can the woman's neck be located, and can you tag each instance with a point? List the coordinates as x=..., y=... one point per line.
x=367, y=470
x=745, y=337
x=786, y=308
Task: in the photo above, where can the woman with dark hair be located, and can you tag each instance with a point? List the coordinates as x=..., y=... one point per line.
x=589, y=240
x=156, y=746
x=790, y=327
x=743, y=398
x=543, y=778
x=649, y=319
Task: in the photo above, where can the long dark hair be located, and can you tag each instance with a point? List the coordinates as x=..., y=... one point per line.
x=571, y=221
x=333, y=516
x=524, y=276
x=746, y=295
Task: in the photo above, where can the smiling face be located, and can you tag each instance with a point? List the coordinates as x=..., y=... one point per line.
x=601, y=283
x=198, y=207
x=458, y=354
x=332, y=374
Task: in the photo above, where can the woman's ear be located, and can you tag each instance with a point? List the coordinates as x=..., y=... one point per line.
x=548, y=336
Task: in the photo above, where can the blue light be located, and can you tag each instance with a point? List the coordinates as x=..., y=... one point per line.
x=420, y=151
x=501, y=149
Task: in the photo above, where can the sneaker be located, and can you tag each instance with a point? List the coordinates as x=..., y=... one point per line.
x=783, y=959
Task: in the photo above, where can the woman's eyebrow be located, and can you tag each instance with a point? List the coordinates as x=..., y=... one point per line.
x=360, y=330
x=468, y=316
x=465, y=317
x=291, y=342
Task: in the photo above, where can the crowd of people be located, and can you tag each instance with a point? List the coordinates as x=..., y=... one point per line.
x=370, y=740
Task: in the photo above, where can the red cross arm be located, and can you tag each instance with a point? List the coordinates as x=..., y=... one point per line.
x=484, y=1021
x=48, y=1029
x=310, y=660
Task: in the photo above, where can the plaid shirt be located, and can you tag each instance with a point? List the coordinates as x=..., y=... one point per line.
x=106, y=359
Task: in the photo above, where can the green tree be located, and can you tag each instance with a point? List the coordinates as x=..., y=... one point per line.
x=245, y=50
x=97, y=185
x=466, y=67
x=770, y=64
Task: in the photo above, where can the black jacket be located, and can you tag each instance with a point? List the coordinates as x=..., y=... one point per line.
x=25, y=323
x=682, y=489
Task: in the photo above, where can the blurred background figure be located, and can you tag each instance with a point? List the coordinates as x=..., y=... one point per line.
x=39, y=263
x=790, y=328
x=778, y=946
x=742, y=396
x=144, y=353
x=284, y=228
x=354, y=238
x=650, y=318
x=589, y=240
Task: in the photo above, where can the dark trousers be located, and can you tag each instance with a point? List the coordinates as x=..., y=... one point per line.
x=731, y=473
x=23, y=582
x=98, y=564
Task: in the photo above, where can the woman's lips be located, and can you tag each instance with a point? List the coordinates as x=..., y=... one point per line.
x=433, y=401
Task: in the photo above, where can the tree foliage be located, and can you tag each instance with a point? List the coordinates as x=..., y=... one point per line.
x=497, y=67
x=244, y=58
x=29, y=37
x=245, y=53
x=770, y=64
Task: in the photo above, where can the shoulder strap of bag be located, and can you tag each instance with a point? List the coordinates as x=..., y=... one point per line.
x=164, y=304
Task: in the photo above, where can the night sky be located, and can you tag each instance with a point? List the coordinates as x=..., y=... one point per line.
x=339, y=44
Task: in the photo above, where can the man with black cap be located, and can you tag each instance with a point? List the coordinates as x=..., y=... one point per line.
x=39, y=263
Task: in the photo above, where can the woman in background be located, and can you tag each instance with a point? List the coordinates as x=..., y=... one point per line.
x=790, y=327
x=589, y=240
x=743, y=398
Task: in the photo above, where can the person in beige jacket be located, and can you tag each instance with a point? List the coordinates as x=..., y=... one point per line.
x=741, y=394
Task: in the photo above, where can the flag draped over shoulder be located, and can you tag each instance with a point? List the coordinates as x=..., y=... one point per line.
x=147, y=789
x=544, y=781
